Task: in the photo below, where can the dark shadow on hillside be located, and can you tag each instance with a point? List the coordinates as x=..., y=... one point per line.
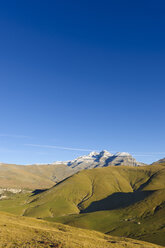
x=38, y=191
x=116, y=201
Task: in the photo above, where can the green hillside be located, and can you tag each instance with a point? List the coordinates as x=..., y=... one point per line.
x=143, y=220
x=25, y=232
x=98, y=189
x=121, y=201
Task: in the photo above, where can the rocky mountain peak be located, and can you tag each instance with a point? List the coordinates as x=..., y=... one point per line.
x=93, y=154
x=122, y=154
x=102, y=159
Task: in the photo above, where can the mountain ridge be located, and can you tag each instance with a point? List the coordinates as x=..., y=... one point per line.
x=102, y=159
x=46, y=175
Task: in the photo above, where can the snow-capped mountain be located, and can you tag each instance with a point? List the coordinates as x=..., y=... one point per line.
x=101, y=159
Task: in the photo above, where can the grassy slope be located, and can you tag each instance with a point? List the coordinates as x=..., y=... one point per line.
x=27, y=232
x=124, y=192
x=31, y=176
x=124, y=221
x=16, y=204
x=161, y=161
x=105, y=198
x=98, y=189
x=53, y=172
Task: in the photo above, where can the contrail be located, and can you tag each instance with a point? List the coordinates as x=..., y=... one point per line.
x=136, y=154
x=60, y=147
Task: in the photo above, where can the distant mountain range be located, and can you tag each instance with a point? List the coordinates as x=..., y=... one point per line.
x=102, y=159
x=46, y=175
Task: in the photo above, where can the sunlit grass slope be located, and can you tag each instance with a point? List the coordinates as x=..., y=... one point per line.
x=122, y=201
x=98, y=189
x=143, y=220
x=32, y=176
x=26, y=232
x=161, y=162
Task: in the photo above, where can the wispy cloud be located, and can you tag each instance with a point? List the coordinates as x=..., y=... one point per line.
x=15, y=136
x=60, y=147
x=135, y=154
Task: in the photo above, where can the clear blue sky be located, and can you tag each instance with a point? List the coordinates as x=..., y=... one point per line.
x=85, y=75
